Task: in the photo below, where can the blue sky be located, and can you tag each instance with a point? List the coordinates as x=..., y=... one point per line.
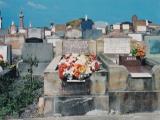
x=42, y=12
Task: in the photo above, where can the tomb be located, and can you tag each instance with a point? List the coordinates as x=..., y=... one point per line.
x=34, y=51
x=125, y=82
x=142, y=83
x=70, y=92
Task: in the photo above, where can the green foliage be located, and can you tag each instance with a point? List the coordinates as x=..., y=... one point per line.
x=134, y=52
x=74, y=23
x=18, y=95
x=3, y=64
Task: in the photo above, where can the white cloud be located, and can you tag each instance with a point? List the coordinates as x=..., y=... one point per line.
x=36, y=5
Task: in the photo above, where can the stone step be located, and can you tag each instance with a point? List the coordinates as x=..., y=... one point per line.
x=138, y=116
x=122, y=102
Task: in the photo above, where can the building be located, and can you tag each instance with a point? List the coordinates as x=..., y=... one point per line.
x=16, y=41
x=60, y=27
x=139, y=25
x=13, y=28
x=21, y=20
x=126, y=26
x=52, y=27
x=86, y=24
x=47, y=32
x=116, y=27
x=3, y=33
x=60, y=30
x=99, y=25
x=73, y=33
x=21, y=29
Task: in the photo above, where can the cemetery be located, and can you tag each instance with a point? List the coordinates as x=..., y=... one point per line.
x=125, y=78
x=82, y=69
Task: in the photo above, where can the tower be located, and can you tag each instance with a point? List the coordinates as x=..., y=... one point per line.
x=134, y=20
x=13, y=29
x=86, y=17
x=0, y=21
x=30, y=24
x=21, y=20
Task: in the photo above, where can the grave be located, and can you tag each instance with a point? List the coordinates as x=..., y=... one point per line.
x=40, y=53
x=118, y=86
x=142, y=83
x=75, y=96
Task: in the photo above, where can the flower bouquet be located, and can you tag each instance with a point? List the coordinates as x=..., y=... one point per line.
x=138, y=50
x=77, y=67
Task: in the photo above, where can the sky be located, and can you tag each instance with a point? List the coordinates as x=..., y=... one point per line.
x=43, y=12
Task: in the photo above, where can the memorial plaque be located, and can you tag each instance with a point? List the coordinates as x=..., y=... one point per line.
x=117, y=45
x=35, y=32
x=75, y=46
x=3, y=52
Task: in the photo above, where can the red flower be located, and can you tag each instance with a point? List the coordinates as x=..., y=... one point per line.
x=97, y=66
x=61, y=69
x=1, y=56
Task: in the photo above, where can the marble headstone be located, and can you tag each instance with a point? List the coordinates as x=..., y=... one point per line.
x=117, y=45
x=75, y=46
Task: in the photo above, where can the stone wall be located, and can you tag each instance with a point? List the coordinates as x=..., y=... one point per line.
x=79, y=46
x=16, y=42
x=117, y=76
x=43, y=52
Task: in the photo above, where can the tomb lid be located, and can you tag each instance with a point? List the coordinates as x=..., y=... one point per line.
x=140, y=75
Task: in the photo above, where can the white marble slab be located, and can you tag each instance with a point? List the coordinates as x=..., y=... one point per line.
x=76, y=81
x=140, y=75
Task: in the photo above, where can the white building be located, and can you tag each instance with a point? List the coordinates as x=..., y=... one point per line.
x=116, y=27
x=47, y=32
x=13, y=28
x=141, y=28
x=101, y=26
x=125, y=27
x=22, y=31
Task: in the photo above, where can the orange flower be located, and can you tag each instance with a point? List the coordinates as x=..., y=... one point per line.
x=77, y=74
x=82, y=69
